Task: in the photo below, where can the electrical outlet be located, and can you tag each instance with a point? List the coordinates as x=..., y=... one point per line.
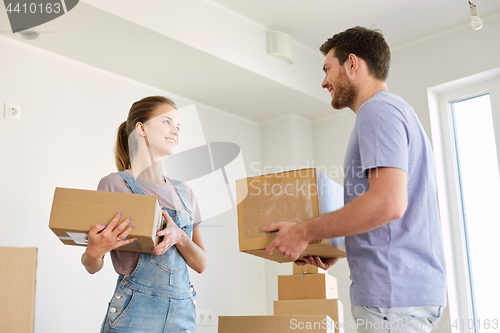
x=205, y=318
x=12, y=112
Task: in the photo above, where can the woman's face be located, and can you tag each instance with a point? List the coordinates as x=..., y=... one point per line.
x=162, y=131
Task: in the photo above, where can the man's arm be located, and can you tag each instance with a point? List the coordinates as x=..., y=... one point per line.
x=385, y=200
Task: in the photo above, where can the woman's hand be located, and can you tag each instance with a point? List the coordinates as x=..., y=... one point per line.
x=104, y=238
x=193, y=250
x=324, y=263
x=172, y=235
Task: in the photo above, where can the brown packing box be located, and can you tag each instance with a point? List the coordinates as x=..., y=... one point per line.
x=331, y=307
x=75, y=212
x=286, y=196
x=17, y=287
x=276, y=324
x=307, y=286
x=307, y=269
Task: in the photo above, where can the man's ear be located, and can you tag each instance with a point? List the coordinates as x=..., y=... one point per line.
x=139, y=128
x=352, y=64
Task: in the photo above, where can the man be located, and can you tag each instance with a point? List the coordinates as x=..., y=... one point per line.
x=390, y=217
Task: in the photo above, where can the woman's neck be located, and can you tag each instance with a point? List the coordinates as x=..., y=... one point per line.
x=152, y=173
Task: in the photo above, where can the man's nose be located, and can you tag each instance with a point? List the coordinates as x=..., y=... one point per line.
x=324, y=84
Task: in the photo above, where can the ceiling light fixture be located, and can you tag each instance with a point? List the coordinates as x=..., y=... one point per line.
x=476, y=22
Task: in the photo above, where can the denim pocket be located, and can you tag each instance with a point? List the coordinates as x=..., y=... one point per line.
x=120, y=304
x=185, y=316
x=169, y=261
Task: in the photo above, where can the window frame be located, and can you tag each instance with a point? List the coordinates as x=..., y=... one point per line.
x=449, y=197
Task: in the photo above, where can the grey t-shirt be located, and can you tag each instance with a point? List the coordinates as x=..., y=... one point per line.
x=125, y=262
x=401, y=263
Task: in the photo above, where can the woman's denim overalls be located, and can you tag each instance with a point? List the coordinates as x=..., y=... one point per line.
x=157, y=296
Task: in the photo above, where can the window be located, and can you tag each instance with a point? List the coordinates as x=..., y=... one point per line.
x=465, y=123
x=476, y=161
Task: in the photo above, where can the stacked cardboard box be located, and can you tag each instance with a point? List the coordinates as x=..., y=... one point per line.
x=307, y=286
x=309, y=294
x=307, y=269
x=305, y=302
x=291, y=196
x=275, y=324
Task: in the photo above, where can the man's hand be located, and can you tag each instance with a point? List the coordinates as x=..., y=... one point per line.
x=324, y=263
x=290, y=240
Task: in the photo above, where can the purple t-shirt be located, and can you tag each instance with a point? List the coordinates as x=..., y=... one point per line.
x=401, y=263
x=125, y=262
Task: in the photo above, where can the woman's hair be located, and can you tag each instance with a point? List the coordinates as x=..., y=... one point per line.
x=141, y=111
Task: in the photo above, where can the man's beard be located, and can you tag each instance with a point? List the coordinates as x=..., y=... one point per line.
x=344, y=92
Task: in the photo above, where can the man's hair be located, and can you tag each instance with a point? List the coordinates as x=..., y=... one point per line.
x=366, y=44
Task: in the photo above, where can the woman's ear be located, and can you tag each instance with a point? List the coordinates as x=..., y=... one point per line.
x=139, y=128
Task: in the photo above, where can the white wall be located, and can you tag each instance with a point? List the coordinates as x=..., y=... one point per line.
x=70, y=115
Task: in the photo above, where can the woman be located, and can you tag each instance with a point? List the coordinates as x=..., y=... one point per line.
x=153, y=292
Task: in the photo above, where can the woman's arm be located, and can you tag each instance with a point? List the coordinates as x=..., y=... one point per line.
x=104, y=238
x=193, y=250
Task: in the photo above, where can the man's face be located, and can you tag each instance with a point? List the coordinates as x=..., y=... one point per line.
x=337, y=83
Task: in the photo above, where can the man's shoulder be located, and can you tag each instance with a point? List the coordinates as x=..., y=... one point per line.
x=387, y=98
x=383, y=105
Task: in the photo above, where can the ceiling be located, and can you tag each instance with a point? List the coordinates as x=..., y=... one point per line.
x=214, y=52
x=401, y=21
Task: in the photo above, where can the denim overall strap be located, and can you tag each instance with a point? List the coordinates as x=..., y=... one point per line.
x=182, y=192
x=179, y=188
x=131, y=183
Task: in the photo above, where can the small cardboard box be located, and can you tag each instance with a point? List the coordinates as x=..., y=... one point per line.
x=17, y=287
x=307, y=286
x=75, y=212
x=332, y=307
x=276, y=324
x=307, y=269
x=290, y=196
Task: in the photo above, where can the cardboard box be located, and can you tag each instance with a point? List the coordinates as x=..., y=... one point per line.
x=276, y=324
x=17, y=287
x=307, y=269
x=286, y=196
x=307, y=286
x=75, y=212
x=332, y=307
